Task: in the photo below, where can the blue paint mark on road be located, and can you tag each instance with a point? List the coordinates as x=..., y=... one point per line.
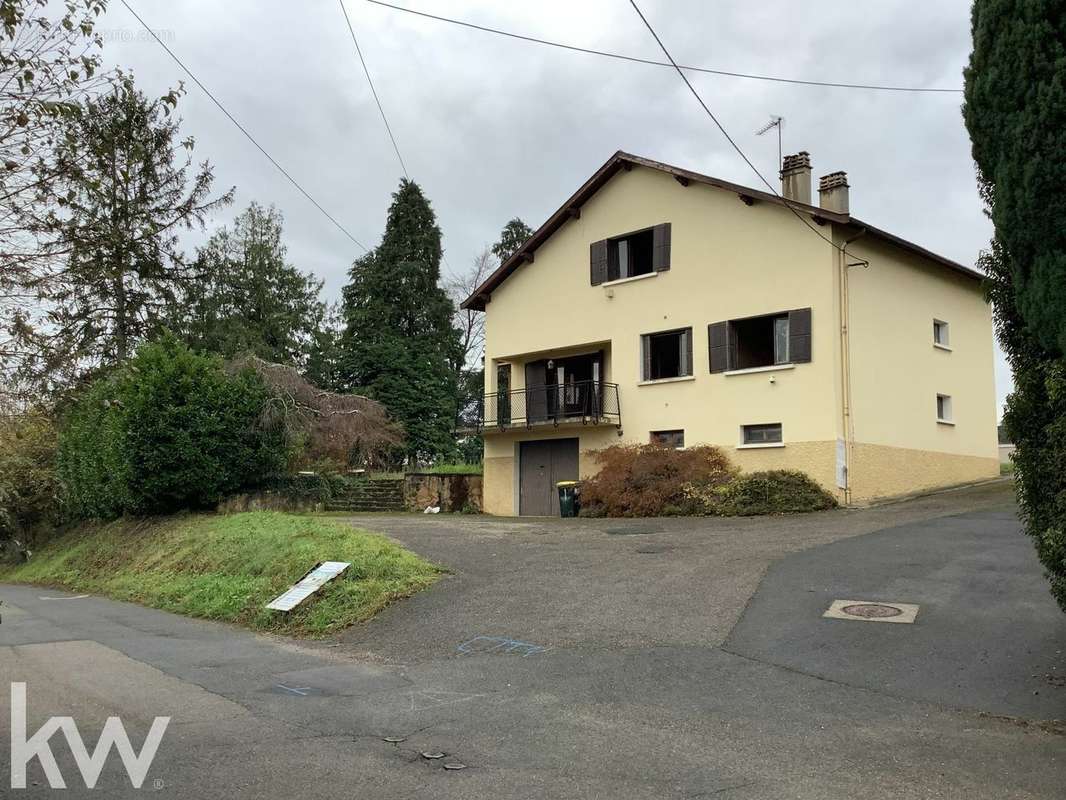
x=501, y=644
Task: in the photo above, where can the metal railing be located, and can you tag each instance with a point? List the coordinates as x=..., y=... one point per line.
x=585, y=402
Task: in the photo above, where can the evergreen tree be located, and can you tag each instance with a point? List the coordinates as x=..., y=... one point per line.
x=514, y=235
x=126, y=199
x=399, y=346
x=1015, y=110
x=246, y=298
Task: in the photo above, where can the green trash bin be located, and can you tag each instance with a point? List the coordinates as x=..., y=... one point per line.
x=569, y=504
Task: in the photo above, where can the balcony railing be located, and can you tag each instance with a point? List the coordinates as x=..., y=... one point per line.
x=585, y=402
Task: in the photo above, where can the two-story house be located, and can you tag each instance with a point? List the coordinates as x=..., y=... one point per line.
x=659, y=304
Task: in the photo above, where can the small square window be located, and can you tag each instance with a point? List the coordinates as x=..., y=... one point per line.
x=943, y=408
x=674, y=439
x=940, y=333
x=761, y=434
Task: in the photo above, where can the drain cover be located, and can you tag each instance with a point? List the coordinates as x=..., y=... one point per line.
x=633, y=530
x=871, y=610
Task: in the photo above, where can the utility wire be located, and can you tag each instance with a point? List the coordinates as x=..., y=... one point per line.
x=725, y=133
x=373, y=91
x=242, y=129
x=652, y=62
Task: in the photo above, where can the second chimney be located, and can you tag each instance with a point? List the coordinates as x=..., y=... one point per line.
x=796, y=177
x=833, y=192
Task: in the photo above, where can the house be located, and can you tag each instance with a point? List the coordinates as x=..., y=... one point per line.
x=658, y=304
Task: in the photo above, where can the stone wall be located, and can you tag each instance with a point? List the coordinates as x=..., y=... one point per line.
x=451, y=492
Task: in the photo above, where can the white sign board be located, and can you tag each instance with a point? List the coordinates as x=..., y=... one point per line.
x=308, y=585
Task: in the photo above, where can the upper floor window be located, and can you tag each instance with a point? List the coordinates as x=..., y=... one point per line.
x=631, y=254
x=940, y=334
x=763, y=341
x=666, y=355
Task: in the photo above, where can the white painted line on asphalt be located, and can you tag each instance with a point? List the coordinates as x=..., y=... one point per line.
x=872, y=611
x=300, y=690
x=74, y=597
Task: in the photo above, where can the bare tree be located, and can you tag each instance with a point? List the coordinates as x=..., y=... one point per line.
x=49, y=65
x=471, y=323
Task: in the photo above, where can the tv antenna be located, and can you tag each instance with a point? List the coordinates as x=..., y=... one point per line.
x=775, y=122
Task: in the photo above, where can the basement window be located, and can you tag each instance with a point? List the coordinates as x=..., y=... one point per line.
x=943, y=409
x=761, y=434
x=674, y=439
x=630, y=255
x=666, y=355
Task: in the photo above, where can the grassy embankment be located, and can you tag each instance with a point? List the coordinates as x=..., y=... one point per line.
x=227, y=567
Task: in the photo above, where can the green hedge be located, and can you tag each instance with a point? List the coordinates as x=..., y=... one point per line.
x=168, y=431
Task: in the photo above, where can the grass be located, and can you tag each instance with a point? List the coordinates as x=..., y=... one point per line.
x=228, y=567
x=1006, y=468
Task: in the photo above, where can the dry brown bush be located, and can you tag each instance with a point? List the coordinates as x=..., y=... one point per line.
x=648, y=480
x=325, y=427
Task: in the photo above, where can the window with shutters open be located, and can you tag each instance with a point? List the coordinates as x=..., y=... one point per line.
x=630, y=255
x=666, y=355
x=764, y=341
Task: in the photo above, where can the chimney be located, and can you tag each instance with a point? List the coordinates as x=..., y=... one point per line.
x=833, y=192
x=796, y=177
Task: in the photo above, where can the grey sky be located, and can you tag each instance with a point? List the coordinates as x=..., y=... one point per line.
x=493, y=128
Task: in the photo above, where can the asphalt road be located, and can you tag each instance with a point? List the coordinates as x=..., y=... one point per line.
x=624, y=665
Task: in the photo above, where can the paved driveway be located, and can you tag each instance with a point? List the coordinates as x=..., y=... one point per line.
x=631, y=688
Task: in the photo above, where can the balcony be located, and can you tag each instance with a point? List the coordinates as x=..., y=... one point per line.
x=577, y=402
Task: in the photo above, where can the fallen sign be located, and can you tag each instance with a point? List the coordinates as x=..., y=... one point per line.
x=310, y=583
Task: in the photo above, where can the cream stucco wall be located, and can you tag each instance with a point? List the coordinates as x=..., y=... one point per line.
x=896, y=373
x=730, y=260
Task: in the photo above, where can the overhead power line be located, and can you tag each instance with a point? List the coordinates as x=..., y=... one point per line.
x=242, y=129
x=725, y=133
x=373, y=91
x=652, y=62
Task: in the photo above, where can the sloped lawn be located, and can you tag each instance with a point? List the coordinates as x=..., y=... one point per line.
x=228, y=567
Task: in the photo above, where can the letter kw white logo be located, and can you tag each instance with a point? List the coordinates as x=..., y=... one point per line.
x=113, y=735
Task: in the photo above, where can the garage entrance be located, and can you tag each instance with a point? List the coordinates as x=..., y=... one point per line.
x=541, y=464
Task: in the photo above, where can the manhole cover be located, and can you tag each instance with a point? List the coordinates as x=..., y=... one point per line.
x=871, y=610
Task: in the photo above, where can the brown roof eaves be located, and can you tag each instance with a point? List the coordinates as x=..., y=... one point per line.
x=621, y=160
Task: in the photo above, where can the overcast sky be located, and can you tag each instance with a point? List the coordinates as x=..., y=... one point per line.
x=492, y=127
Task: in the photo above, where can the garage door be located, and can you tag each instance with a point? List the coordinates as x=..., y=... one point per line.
x=541, y=464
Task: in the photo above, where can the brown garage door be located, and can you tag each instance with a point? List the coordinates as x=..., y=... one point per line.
x=541, y=464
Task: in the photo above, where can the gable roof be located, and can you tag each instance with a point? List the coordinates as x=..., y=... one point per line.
x=621, y=160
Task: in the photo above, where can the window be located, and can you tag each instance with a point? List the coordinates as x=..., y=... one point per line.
x=764, y=341
x=761, y=434
x=940, y=334
x=674, y=439
x=943, y=408
x=666, y=355
x=629, y=256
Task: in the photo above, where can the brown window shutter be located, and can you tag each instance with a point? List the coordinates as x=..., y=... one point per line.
x=598, y=261
x=660, y=251
x=718, y=346
x=799, y=335
x=645, y=358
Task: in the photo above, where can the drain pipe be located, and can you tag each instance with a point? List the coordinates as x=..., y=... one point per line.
x=847, y=420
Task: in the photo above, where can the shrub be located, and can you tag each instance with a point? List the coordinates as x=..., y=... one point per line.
x=29, y=491
x=776, y=491
x=169, y=430
x=648, y=480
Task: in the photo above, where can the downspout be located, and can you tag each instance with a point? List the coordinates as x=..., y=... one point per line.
x=848, y=418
